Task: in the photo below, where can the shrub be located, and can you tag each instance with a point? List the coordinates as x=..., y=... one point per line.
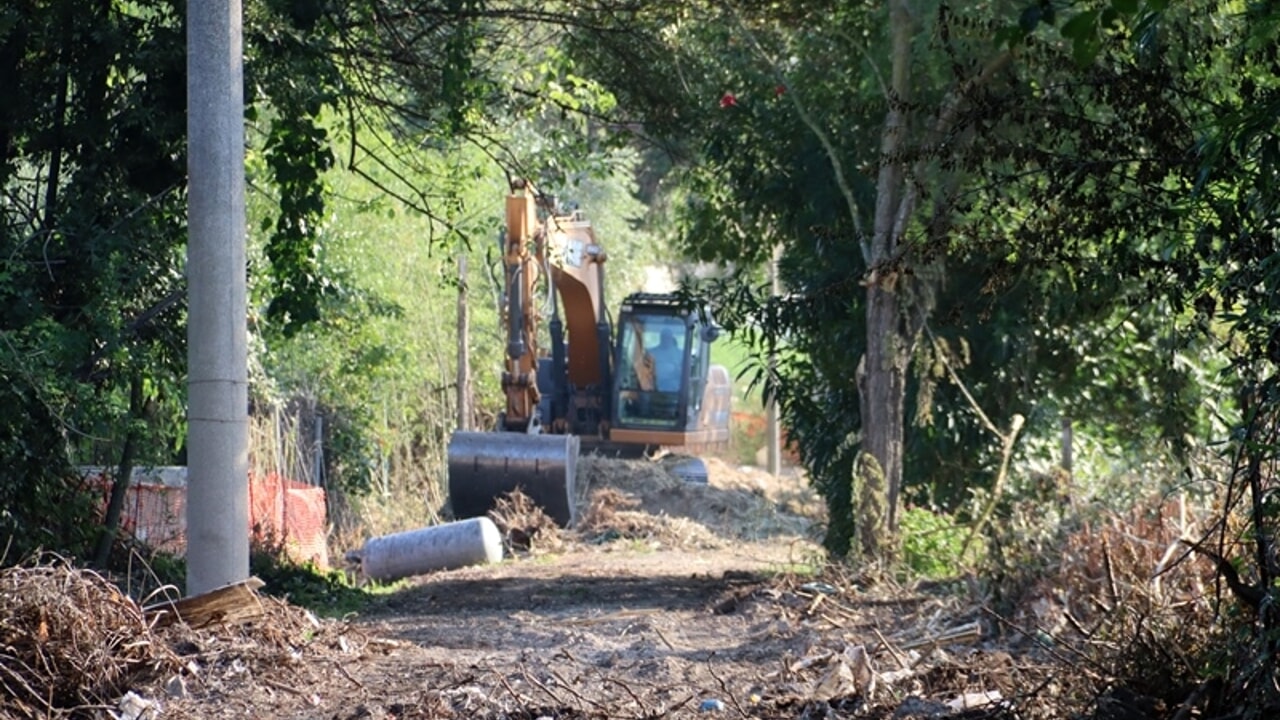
x=932, y=543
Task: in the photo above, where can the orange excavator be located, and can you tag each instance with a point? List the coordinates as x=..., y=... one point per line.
x=579, y=386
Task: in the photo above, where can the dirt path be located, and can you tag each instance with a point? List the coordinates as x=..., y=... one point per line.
x=595, y=630
x=667, y=634
x=674, y=601
x=668, y=600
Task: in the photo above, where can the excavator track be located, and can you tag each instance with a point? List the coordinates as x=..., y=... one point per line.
x=483, y=466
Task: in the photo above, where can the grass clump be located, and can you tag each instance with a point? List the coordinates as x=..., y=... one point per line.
x=327, y=593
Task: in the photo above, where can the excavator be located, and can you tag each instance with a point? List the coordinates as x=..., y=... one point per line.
x=581, y=386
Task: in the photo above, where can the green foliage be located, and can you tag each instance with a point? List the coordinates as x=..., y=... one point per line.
x=91, y=278
x=45, y=505
x=932, y=543
x=1043, y=187
x=327, y=593
x=297, y=153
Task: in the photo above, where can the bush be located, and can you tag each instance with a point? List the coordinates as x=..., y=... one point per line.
x=932, y=543
x=43, y=503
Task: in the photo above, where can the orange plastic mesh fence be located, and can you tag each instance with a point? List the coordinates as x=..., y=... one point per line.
x=281, y=511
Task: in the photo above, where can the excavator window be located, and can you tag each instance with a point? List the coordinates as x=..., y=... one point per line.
x=654, y=372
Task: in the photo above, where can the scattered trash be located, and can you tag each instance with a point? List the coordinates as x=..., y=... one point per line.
x=820, y=587
x=711, y=705
x=838, y=682
x=850, y=673
x=969, y=701
x=176, y=688
x=135, y=707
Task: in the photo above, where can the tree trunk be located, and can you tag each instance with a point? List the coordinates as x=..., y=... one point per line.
x=882, y=382
x=883, y=393
x=124, y=475
x=464, y=348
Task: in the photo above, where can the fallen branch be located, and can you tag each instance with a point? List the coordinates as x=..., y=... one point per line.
x=1248, y=594
x=961, y=633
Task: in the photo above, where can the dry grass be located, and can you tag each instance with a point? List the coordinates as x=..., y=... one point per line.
x=613, y=515
x=1133, y=561
x=73, y=646
x=1130, y=607
x=70, y=640
x=643, y=499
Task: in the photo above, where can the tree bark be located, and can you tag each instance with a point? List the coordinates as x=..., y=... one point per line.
x=464, y=401
x=883, y=393
x=882, y=385
x=124, y=475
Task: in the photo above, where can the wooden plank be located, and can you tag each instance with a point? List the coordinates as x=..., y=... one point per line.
x=230, y=604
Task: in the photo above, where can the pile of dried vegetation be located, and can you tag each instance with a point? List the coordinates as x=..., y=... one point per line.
x=73, y=646
x=644, y=501
x=645, y=498
x=70, y=640
x=1140, y=617
x=524, y=526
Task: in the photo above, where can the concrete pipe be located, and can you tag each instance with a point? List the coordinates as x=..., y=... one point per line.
x=475, y=541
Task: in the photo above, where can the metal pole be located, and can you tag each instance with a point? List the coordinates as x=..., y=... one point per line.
x=317, y=450
x=217, y=402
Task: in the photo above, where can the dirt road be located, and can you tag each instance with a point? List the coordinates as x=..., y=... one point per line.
x=667, y=600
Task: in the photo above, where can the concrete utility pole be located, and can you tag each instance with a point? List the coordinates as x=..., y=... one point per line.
x=217, y=381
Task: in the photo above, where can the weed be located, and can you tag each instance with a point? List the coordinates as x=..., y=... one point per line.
x=327, y=593
x=932, y=543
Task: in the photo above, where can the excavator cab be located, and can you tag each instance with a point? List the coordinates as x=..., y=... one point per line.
x=666, y=392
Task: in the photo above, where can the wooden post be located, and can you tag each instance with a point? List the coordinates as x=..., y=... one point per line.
x=464, y=347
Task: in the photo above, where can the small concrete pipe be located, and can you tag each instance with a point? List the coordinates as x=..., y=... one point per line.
x=474, y=541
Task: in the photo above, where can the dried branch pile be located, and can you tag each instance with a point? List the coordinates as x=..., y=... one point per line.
x=644, y=500
x=525, y=527
x=70, y=639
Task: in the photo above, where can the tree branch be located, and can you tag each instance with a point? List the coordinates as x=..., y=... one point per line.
x=833, y=157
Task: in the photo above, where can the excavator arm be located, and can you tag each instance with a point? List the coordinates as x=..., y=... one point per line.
x=521, y=267
x=556, y=259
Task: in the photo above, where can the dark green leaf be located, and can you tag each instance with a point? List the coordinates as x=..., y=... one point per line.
x=1080, y=25
x=1030, y=18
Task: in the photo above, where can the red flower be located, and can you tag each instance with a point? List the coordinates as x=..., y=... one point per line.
x=728, y=100
x=778, y=90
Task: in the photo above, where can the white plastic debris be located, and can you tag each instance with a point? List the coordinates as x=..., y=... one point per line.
x=969, y=701
x=135, y=707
